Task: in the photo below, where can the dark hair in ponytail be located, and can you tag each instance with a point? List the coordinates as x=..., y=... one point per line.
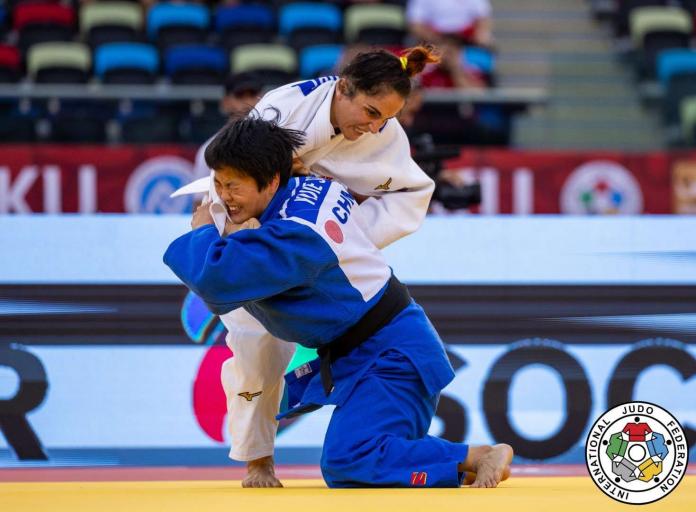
x=379, y=71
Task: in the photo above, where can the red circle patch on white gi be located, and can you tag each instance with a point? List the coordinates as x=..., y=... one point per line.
x=334, y=231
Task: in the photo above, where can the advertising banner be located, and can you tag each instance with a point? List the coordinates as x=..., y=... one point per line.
x=142, y=404
x=577, y=183
x=94, y=179
x=548, y=322
x=139, y=179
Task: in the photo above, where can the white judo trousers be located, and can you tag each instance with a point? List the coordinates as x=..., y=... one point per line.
x=378, y=166
x=253, y=382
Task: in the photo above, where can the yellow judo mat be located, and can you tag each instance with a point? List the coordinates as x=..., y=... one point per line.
x=533, y=494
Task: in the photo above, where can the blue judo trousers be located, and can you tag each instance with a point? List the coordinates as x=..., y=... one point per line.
x=379, y=437
x=308, y=274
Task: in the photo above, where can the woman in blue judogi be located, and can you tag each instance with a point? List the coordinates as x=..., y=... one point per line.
x=310, y=275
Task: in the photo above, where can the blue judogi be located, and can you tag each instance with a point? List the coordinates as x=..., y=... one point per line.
x=308, y=274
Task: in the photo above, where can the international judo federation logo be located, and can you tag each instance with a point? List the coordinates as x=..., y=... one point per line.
x=601, y=187
x=637, y=453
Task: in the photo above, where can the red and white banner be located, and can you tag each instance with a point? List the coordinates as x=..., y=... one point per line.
x=94, y=179
x=139, y=179
x=524, y=182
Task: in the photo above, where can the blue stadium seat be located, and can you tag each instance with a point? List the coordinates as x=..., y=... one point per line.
x=317, y=60
x=170, y=24
x=126, y=63
x=195, y=64
x=673, y=62
x=244, y=24
x=308, y=15
x=244, y=16
x=309, y=24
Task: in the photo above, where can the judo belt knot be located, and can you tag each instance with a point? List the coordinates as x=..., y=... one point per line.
x=393, y=301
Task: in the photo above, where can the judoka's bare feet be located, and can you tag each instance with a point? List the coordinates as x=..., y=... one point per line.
x=261, y=473
x=490, y=463
x=470, y=476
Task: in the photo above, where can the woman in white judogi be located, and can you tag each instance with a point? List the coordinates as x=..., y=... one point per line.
x=351, y=136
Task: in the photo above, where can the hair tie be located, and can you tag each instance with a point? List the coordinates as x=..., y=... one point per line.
x=404, y=62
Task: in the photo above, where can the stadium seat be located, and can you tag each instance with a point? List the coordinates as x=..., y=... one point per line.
x=655, y=29
x=673, y=62
x=244, y=24
x=624, y=9
x=654, y=44
x=31, y=13
x=244, y=16
x=378, y=24
x=319, y=60
x=10, y=63
x=126, y=63
x=304, y=24
x=274, y=62
x=658, y=19
x=195, y=65
x=687, y=113
x=170, y=24
x=43, y=22
x=680, y=85
x=111, y=21
x=59, y=62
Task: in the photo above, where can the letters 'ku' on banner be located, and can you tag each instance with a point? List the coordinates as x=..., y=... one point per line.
x=139, y=179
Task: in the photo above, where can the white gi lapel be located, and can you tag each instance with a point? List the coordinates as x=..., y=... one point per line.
x=217, y=207
x=319, y=130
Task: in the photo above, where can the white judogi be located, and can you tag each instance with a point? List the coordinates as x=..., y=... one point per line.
x=376, y=165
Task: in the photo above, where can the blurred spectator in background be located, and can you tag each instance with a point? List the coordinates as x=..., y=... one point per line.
x=242, y=93
x=414, y=104
x=450, y=25
x=468, y=21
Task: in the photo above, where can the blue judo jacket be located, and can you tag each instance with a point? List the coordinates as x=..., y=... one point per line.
x=307, y=274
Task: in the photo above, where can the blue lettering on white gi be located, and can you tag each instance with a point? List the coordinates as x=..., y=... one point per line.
x=345, y=203
x=309, y=85
x=307, y=201
x=309, y=193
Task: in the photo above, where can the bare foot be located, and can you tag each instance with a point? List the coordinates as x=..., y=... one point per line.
x=261, y=473
x=490, y=468
x=491, y=464
x=470, y=476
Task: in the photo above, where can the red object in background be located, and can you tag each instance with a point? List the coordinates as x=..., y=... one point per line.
x=209, y=402
x=550, y=182
x=9, y=57
x=139, y=179
x=42, y=13
x=52, y=178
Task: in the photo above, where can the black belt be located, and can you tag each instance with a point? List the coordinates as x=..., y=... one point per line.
x=392, y=302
